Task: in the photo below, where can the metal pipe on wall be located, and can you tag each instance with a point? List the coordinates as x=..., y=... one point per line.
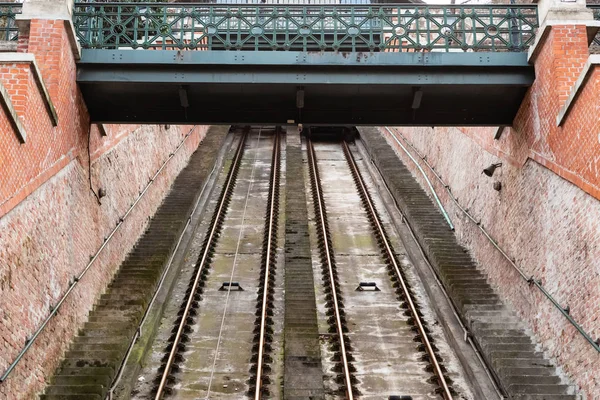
x=29, y=342
x=565, y=311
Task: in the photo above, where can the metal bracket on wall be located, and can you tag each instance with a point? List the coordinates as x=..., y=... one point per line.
x=499, y=132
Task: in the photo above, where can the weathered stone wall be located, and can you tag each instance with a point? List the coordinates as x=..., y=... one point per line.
x=50, y=220
x=49, y=237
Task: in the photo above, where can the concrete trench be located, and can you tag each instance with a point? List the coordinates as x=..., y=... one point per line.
x=218, y=356
x=226, y=370
x=386, y=357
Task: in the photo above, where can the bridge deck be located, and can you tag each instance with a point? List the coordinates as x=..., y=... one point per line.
x=254, y=87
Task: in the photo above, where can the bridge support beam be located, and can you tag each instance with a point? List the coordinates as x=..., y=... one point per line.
x=429, y=89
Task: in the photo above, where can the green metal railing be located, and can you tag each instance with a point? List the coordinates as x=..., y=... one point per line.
x=596, y=9
x=320, y=27
x=8, y=28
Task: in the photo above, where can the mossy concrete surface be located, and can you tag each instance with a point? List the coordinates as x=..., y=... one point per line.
x=88, y=368
x=303, y=376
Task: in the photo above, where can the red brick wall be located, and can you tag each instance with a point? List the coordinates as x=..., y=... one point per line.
x=570, y=150
x=547, y=215
x=50, y=221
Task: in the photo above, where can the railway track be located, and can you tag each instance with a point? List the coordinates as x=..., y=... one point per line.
x=228, y=343
x=353, y=367
x=193, y=295
x=335, y=305
x=401, y=284
x=197, y=358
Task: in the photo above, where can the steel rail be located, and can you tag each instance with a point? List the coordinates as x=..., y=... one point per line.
x=139, y=330
x=392, y=259
x=202, y=265
x=93, y=259
x=466, y=332
x=529, y=279
x=320, y=205
x=270, y=242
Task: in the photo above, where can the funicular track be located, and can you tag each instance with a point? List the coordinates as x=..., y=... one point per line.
x=182, y=345
x=334, y=304
x=248, y=351
x=346, y=362
x=403, y=289
x=193, y=295
x=259, y=378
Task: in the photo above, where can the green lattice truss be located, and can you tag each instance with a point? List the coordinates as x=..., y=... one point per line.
x=336, y=27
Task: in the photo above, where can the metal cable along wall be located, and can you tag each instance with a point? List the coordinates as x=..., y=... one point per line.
x=565, y=311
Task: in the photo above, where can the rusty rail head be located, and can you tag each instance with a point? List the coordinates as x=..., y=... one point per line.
x=392, y=259
x=270, y=242
x=320, y=206
x=202, y=264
